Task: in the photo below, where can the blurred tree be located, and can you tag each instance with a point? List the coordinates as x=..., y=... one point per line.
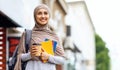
x=102, y=57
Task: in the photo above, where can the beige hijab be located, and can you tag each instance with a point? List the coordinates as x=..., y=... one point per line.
x=39, y=34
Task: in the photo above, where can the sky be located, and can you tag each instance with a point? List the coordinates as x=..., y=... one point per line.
x=105, y=15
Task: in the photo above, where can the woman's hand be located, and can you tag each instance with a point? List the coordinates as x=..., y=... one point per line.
x=44, y=56
x=35, y=51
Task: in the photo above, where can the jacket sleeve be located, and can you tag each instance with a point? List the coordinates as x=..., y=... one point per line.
x=56, y=59
x=26, y=56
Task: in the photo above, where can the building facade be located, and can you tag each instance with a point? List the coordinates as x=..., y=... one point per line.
x=82, y=35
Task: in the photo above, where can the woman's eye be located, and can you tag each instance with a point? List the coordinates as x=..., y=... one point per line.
x=39, y=13
x=45, y=13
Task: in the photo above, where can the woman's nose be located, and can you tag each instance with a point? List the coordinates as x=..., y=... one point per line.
x=43, y=15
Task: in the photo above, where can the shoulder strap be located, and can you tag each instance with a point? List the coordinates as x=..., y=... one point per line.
x=28, y=35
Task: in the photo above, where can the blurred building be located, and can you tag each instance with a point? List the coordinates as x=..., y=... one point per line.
x=82, y=35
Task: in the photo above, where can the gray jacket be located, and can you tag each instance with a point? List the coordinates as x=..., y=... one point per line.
x=38, y=65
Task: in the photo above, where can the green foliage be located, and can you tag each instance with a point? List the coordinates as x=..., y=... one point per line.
x=102, y=57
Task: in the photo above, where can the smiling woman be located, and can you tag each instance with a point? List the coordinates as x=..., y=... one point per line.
x=40, y=33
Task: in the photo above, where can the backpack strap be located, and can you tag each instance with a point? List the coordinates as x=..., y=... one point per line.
x=28, y=35
x=11, y=63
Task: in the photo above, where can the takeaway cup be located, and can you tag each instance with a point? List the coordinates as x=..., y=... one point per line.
x=37, y=46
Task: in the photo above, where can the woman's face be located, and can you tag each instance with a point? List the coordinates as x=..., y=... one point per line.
x=42, y=16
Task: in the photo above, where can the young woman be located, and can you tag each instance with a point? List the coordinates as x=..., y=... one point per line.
x=40, y=32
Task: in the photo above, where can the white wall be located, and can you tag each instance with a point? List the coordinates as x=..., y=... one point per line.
x=12, y=9
x=21, y=11
x=82, y=32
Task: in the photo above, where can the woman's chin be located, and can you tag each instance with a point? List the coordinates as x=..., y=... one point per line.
x=43, y=24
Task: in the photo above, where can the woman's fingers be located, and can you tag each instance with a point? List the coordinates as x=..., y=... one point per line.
x=35, y=51
x=44, y=56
